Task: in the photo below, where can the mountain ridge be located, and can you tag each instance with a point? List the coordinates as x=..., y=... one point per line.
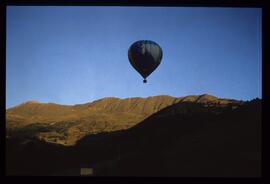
x=205, y=95
x=65, y=124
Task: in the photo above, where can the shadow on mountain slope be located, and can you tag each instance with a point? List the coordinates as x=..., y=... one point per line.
x=185, y=140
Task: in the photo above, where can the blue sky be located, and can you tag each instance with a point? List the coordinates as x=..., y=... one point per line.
x=73, y=55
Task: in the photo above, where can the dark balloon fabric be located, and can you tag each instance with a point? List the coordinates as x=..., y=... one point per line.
x=145, y=56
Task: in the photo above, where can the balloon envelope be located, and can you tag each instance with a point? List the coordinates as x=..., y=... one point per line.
x=145, y=56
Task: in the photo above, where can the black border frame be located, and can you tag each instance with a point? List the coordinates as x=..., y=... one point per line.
x=153, y=3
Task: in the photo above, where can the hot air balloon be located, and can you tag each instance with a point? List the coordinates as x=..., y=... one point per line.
x=145, y=56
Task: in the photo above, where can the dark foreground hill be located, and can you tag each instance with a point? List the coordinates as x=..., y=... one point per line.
x=185, y=139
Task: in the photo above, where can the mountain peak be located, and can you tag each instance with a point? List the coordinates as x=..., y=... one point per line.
x=207, y=95
x=32, y=102
x=206, y=98
x=105, y=99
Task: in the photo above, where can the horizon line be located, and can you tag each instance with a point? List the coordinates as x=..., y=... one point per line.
x=122, y=98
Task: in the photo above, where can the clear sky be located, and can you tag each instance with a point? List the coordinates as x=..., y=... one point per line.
x=73, y=55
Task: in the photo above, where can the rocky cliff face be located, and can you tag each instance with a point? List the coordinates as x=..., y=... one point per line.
x=64, y=124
